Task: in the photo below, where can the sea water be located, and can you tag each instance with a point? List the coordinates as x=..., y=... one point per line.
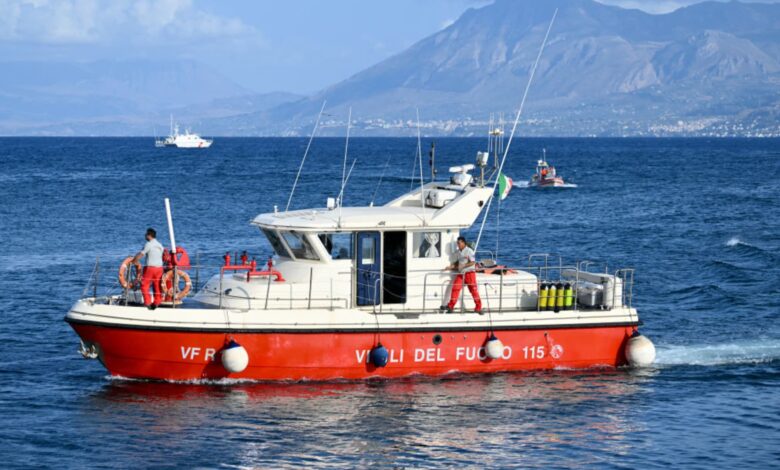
x=699, y=219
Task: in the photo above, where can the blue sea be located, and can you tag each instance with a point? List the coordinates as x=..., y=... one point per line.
x=699, y=219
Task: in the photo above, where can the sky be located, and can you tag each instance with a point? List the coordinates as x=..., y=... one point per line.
x=299, y=46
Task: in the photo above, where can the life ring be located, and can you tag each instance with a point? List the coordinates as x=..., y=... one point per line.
x=135, y=278
x=167, y=285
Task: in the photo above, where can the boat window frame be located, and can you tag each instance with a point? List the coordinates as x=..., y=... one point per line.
x=351, y=244
x=416, y=251
x=314, y=255
x=287, y=253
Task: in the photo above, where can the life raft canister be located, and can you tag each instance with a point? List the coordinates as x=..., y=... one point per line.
x=182, y=258
x=544, y=290
x=167, y=285
x=130, y=278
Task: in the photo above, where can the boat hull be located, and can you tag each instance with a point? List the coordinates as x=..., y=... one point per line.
x=547, y=183
x=183, y=355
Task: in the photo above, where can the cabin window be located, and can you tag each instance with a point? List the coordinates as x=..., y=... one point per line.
x=339, y=245
x=367, y=253
x=276, y=243
x=426, y=244
x=299, y=246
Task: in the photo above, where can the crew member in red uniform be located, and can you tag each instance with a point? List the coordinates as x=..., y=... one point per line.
x=465, y=265
x=153, y=270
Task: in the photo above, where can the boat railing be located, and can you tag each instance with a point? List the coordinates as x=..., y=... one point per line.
x=425, y=291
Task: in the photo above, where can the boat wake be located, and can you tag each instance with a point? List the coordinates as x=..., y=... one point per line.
x=527, y=185
x=754, y=352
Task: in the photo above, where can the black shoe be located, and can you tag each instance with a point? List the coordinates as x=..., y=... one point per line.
x=153, y=307
x=450, y=310
x=479, y=312
x=443, y=309
x=150, y=307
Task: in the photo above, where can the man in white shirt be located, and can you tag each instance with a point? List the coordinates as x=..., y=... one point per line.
x=465, y=265
x=153, y=270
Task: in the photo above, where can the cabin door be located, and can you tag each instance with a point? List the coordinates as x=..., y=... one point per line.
x=368, y=260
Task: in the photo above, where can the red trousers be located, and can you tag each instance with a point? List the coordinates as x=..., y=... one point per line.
x=152, y=276
x=457, y=285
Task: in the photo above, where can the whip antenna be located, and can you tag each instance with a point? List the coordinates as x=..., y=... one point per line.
x=308, y=146
x=514, y=126
x=346, y=149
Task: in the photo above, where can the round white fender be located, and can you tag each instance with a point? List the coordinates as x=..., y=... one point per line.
x=640, y=351
x=494, y=348
x=234, y=358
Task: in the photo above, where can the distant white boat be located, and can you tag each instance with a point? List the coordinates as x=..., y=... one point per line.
x=187, y=140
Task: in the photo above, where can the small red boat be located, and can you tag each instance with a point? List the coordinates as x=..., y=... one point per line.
x=357, y=292
x=546, y=176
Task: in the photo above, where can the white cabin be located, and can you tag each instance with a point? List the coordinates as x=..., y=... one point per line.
x=389, y=258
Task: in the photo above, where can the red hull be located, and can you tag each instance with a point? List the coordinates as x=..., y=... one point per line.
x=189, y=355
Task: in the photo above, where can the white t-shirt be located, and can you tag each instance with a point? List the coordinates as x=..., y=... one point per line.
x=466, y=255
x=153, y=252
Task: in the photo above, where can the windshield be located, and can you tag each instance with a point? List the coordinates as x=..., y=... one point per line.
x=300, y=247
x=276, y=243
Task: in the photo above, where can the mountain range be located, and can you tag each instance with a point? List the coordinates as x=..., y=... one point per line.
x=708, y=69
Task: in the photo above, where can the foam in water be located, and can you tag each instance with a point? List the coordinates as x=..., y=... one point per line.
x=734, y=241
x=718, y=354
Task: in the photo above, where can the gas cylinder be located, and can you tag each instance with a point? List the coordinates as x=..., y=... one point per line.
x=544, y=290
x=559, y=297
x=568, y=297
x=551, y=297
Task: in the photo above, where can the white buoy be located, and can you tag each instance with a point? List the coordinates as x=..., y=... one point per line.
x=640, y=351
x=234, y=358
x=494, y=347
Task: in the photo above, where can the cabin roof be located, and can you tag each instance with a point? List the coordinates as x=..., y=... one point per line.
x=405, y=212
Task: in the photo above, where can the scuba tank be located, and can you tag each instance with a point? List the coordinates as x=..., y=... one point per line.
x=543, y=291
x=551, y=297
x=559, y=299
x=568, y=294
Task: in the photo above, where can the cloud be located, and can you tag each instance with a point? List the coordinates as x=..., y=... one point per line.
x=59, y=22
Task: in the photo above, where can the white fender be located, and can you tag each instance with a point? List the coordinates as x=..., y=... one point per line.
x=494, y=348
x=234, y=358
x=640, y=351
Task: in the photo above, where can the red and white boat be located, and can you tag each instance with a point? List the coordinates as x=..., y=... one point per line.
x=546, y=176
x=355, y=292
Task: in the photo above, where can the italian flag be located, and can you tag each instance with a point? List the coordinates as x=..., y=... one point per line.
x=504, y=185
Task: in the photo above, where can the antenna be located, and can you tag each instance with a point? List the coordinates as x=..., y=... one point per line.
x=514, y=127
x=346, y=150
x=371, y=204
x=432, y=154
x=344, y=185
x=313, y=131
x=419, y=156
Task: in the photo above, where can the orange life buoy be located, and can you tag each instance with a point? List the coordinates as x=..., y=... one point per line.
x=135, y=277
x=167, y=285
